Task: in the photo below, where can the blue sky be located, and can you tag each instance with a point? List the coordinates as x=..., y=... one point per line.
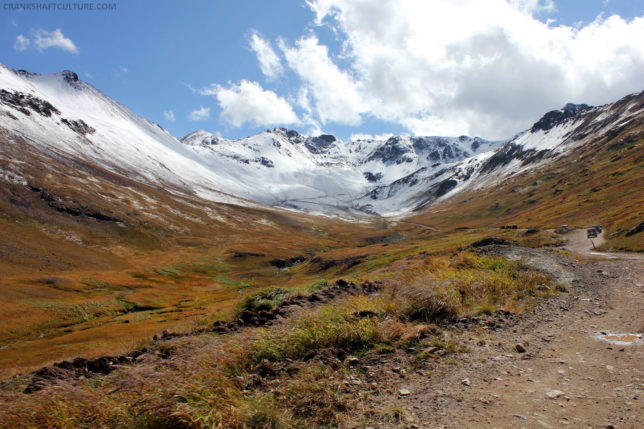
x=340, y=67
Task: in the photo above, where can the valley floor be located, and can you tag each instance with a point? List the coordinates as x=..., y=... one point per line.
x=567, y=377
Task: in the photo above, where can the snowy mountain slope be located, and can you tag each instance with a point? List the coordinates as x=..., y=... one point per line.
x=69, y=119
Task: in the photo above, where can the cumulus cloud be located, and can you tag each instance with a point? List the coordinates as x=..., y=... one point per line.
x=249, y=102
x=335, y=94
x=200, y=114
x=21, y=43
x=269, y=62
x=168, y=115
x=44, y=40
x=480, y=67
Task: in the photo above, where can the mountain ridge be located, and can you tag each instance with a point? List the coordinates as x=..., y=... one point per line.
x=280, y=167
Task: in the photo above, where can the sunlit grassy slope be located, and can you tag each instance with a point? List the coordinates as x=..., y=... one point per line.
x=94, y=263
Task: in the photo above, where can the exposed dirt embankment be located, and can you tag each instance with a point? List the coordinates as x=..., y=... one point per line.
x=81, y=367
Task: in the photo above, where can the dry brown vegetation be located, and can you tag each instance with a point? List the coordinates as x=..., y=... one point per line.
x=294, y=374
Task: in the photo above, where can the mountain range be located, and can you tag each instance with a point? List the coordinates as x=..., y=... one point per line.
x=58, y=118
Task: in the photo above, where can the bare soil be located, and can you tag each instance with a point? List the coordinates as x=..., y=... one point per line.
x=568, y=375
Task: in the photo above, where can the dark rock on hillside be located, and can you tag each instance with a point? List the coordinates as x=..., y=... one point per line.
x=445, y=186
x=487, y=241
x=79, y=127
x=320, y=144
x=556, y=117
x=292, y=135
x=510, y=152
x=265, y=162
x=391, y=151
x=71, y=79
x=241, y=254
x=72, y=208
x=639, y=228
x=70, y=76
x=22, y=102
x=372, y=177
x=79, y=367
x=288, y=262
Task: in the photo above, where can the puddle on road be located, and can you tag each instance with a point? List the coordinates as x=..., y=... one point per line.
x=619, y=338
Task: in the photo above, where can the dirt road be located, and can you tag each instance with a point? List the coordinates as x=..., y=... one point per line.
x=580, y=244
x=570, y=375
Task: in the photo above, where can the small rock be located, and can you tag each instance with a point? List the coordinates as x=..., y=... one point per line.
x=554, y=394
x=520, y=348
x=404, y=392
x=352, y=361
x=466, y=382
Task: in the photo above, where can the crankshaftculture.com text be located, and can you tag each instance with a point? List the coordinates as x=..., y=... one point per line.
x=44, y=6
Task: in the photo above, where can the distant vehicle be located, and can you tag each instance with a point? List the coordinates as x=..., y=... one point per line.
x=593, y=231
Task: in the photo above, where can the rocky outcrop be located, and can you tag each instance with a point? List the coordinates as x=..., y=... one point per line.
x=79, y=127
x=556, y=117
x=26, y=102
x=636, y=230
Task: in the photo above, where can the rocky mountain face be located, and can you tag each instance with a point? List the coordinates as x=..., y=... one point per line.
x=281, y=167
x=68, y=121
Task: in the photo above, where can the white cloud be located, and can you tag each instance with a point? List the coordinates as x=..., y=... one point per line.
x=534, y=6
x=479, y=67
x=200, y=114
x=335, y=94
x=168, y=115
x=53, y=39
x=124, y=69
x=249, y=102
x=363, y=136
x=21, y=43
x=269, y=62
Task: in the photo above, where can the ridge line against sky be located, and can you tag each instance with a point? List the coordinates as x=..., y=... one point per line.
x=488, y=68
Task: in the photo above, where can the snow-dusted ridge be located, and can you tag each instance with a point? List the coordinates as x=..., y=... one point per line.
x=69, y=118
x=282, y=167
x=66, y=117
